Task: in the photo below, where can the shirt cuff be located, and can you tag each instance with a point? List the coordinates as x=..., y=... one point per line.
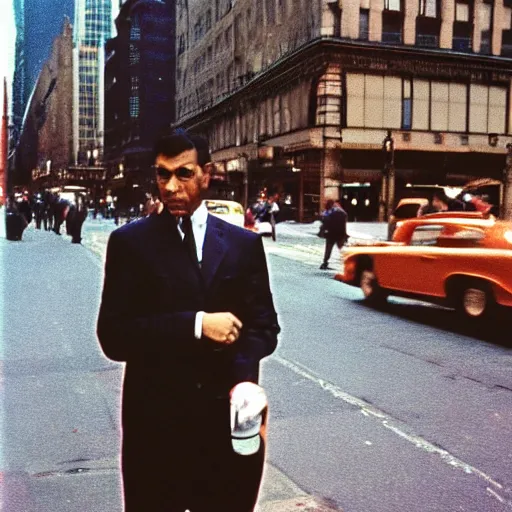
x=198, y=326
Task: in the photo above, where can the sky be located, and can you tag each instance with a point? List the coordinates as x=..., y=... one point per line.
x=43, y=22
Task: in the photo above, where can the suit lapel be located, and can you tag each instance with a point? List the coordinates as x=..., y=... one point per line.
x=214, y=249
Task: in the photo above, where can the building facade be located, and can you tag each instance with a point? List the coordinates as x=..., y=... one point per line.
x=20, y=90
x=45, y=148
x=139, y=92
x=346, y=99
x=93, y=26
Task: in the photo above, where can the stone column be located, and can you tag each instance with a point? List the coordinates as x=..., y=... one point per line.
x=448, y=16
x=506, y=206
x=411, y=12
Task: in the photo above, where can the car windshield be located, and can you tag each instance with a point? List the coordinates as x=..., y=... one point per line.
x=406, y=211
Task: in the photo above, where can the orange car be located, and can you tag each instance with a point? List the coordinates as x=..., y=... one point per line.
x=461, y=260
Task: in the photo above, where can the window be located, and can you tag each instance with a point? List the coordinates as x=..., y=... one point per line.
x=462, y=11
x=426, y=235
x=374, y=101
x=135, y=29
x=457, y=114
x=406, y=104
x=134, y=106
x=364, y=18
x=487, y=109
x=420, y=105
x=428, y=8
x=485, y=15
x=208, y=20
x=134, y=54
x=392, y=5
x=497, y=109
x=277, y=115
x=271, y=11
x=181, y=44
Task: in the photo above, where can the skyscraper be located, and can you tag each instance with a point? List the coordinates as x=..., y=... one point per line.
x=93, y=26
x=19, y=89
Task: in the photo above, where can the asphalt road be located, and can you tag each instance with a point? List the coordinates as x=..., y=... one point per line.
x=392, y=410
x=377, y=411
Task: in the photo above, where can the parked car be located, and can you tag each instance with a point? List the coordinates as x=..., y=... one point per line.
x=461, y=260
x=230, y=211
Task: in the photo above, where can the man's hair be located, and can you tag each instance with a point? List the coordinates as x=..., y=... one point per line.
x=329, y=204
x=179, y=141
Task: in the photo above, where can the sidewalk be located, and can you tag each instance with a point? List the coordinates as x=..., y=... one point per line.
x=61, y=395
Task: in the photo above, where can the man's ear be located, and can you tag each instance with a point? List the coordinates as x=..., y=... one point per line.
x=207, y=174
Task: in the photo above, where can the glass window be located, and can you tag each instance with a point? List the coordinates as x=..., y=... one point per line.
x=428, y=8
x=439, y=106
x=277, y=115
x=134, y=106
x=271, y=12
x=461, y=11
x=392, y=106
x=392, y=5
x=364, y=19
x=497, y=109
x=420, y=105
x=426, y=235
x=355, y=100
x=478, y=100
x=457, y=121
x=407, y=105
x=374, y=101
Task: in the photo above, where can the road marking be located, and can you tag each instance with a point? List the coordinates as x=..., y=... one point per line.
x=387, y=421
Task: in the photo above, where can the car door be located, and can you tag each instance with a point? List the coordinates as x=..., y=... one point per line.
x=414, y=268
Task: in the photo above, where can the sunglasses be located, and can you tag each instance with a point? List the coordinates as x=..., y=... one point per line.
x=182, y=173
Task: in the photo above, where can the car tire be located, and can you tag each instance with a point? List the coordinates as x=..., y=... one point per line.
x=372, y=291
x=476, y=301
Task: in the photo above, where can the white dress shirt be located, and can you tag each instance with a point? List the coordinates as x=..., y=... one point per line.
x=199, y=219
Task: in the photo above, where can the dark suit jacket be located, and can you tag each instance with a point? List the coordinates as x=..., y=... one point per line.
x=151, y=294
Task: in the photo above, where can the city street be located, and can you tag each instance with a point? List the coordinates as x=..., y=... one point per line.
x=370, y=410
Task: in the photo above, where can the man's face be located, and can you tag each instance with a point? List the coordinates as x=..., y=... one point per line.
x=181, y=192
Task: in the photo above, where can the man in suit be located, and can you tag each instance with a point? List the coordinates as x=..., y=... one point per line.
x=187, y=305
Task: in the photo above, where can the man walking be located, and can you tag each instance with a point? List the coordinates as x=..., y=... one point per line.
x=334, y=220
x=205, y=320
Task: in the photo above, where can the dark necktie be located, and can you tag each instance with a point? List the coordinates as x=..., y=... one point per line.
x=188, y=240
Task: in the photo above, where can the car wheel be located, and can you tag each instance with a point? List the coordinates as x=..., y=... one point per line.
x=370, y=287
x=477, y=301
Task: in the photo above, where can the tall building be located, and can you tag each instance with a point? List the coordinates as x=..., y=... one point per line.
x=346, y=99
x=20, y=90
x=45, y=148
x=93, y=26
x=139, y=91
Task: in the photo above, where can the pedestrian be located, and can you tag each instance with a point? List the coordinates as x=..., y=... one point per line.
x=334, y=221
x=15, y=221
x=80, y=214
x=39, y=208
x=443, y=203
x=206, y=321
x=25, y=208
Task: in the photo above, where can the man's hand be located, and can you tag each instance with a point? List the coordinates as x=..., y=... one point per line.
x=221, y=327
